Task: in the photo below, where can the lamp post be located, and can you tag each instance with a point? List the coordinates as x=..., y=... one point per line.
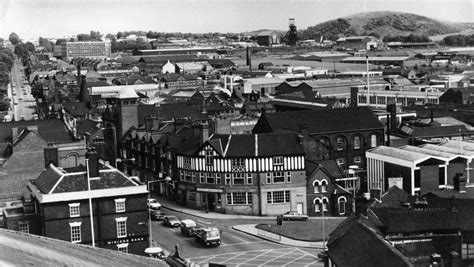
x=150, y=233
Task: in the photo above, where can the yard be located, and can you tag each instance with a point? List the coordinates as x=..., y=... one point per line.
x=311, y=230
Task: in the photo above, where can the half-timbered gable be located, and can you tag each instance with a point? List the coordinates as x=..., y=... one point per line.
x=258, y=174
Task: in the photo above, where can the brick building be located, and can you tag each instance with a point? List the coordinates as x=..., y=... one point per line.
x=341, y=134
x=61, y=199
x=253, y=174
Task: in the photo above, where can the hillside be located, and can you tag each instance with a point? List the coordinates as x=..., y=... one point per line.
x=382, y=23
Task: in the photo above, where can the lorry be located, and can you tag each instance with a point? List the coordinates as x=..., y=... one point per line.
x=208, y=236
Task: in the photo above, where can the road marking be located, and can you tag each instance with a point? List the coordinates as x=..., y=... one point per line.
x=275, y=259
x=238, y=238
x=242, y=243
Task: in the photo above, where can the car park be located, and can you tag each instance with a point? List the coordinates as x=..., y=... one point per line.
x=171, y=221
x=294, y=216
x=188, y=227
x=153, y=204
x=157, y=215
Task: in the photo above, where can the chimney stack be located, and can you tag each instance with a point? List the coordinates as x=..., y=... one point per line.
x=32, y=129
x=460, y=183
x=202, y=130
x=93, y=163
x=151, y=123
x=50, y=156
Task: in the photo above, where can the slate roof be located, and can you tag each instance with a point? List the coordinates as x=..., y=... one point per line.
x=76, y=108
x=52, y=130
x=360, y=245
x=74, y=182
x=416, y=221
x=319, y=121
x=21, y=249
x=86, y=126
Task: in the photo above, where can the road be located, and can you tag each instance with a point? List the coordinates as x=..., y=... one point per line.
x=236, y=249
x=23, y=103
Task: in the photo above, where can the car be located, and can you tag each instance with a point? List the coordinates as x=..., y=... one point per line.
x=171, y=221
x=294, y=216
x=156, y=215
x=153, y=204
x=188, y=227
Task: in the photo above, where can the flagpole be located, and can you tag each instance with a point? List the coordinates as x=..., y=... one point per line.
x=90, y=203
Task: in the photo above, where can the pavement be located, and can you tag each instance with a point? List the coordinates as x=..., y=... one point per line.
x=245, y=228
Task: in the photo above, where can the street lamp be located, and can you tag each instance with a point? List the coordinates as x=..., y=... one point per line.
x=167, y=179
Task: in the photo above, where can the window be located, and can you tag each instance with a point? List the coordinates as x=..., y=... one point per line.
x=210, y=179
x=209, y=156
x=278, y=197
x=342, y=201
x=227, y=179
x=325, y=204
x=467, y=251
x=122, y=247
x=278, y=177
x=269, y=177
x=357, y=160
x=120, y=205
x=316, y=186
x=323, y=186
x=186, y=176
x=249, y=178
x=278, y=160
x=356, y=142
x=121, y=226
x=187, y=162
x=238, y=164
x=238, y=178
x=339, y=144
x=201, y=177
x=75, y=231
x=239, y=198
x=24, y=227
x=317, y=203
x=74, y=210
x=288, y=177
x=340, y=161
x=218, y=178
x=373, y=140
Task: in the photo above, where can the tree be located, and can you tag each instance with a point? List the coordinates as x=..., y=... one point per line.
x=6, y=59
x=60, y=41
x=21, y=51
x=14, y=38
x=120, y=35
x=46, y=44
x=95, y=36
x=84, y=37
x=30, y=47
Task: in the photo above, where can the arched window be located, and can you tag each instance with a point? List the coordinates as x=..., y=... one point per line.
x=317, y=203
x=325, y=204
x=373, y=140
x=323, y=186
x=316, y=186
x=356, y=142
x=341, y=203
x=340, y=143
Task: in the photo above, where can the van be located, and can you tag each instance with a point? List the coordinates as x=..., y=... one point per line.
x=187, y=227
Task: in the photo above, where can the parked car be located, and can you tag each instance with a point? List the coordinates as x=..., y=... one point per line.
x=294, y=216
x=153, y=204
x=188, y=227
x=171, y=221
x=157, y=215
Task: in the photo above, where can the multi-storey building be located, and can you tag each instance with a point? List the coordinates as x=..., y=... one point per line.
x=342, y=134
x=64, y=199
x=86, y=49
x=253, y=174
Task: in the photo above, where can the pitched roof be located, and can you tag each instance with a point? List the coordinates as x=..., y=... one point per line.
x=21, y=249
x=415, y=221
x=52, y=130
x=319, y=121
x=169, y=112
x=260, y=145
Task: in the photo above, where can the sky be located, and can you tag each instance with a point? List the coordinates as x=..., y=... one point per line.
x=58, y=18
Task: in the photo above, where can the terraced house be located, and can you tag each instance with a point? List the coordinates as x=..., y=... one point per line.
x=253, y=174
